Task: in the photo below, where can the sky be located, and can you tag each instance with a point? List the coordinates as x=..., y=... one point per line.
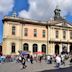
x=41, y=10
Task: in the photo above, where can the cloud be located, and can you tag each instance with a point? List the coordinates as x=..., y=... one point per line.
x=6, y=6
x=24, y=13
x=43, y=9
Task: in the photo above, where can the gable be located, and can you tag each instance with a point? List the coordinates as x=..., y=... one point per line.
x=64, y=24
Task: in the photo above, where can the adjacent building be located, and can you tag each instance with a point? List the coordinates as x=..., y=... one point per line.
x=49, y=37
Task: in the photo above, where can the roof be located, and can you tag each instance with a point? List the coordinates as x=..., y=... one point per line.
x=30, y=21
x=23, y=20
x=61, y=20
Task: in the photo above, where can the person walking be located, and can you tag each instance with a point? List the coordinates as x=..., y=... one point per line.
x=48, y=59
x=58, y=61
x=40, y=59
x=23, y=62
x=31, y=59
x=63, y=59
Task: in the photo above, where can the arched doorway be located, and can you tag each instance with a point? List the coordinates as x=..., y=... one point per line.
x=70, y=48
x=44, y=48
x=35, y=48
x=25, y=47
x=13, y=48
x=56, y=49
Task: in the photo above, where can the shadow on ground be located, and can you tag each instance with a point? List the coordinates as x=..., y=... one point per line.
x=68, y=69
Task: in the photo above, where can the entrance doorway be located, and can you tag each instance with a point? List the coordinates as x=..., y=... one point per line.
x=56, y=49
x=44, y=48
x=70, y=48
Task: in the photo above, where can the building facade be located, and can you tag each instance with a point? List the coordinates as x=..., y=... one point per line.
x=23, y=35
x=49, y=37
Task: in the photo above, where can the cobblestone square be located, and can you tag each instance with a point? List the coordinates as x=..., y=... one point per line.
x=35, y=67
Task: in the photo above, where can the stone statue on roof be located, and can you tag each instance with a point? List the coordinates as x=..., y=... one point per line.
x=57, y=13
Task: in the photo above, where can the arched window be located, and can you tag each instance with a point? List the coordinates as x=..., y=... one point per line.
x=44, y=48
x=35, y=47
x=56, y=49
x=25, y=47
x=13, y=48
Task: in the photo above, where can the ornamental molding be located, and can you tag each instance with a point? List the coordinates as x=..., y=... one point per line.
x=29, y=40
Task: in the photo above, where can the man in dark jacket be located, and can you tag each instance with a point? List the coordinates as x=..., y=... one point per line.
x=31, y=59
x=24, y=62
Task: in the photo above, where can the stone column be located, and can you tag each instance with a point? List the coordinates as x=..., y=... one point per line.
x=60, y=48
x=49, y=48
x=31, y=47
x=68, y=48
x=52, y=50
x=39, y=47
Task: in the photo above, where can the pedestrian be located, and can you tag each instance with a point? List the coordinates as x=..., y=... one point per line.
x=0, y=59
x=58, y=61
x=40, y=59
x=28, y=58
x=63, y=59
x=31, y=59
x=23, y=62
x=48, y=59
x=19, y=58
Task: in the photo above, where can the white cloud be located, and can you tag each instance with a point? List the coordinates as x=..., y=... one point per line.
x=6, y=6
x=43, y=9
x=24, y=13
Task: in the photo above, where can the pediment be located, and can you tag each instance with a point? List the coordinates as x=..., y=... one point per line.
x=64, y=24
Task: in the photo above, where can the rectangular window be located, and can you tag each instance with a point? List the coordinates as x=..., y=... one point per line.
x=25, y=32
x=64, y=34
x=35, y=33
x=43, y=33
x=57, y=33
x=13, y=30
x=70, y=34
x=13, y=48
